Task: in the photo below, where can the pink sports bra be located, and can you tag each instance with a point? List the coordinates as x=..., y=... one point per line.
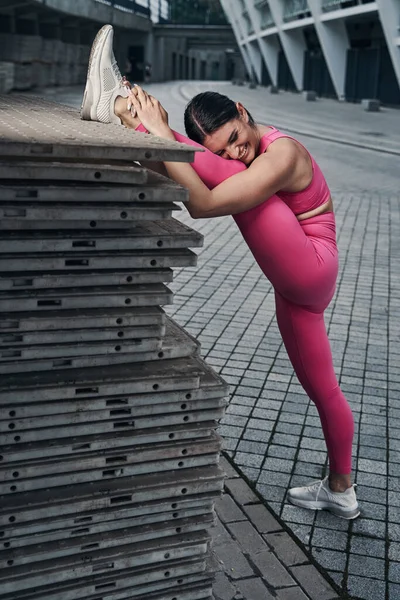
x=314, y=195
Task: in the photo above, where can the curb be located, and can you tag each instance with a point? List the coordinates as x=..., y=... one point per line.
x=252, y=491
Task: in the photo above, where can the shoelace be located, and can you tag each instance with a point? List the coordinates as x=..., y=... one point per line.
x=317, y=485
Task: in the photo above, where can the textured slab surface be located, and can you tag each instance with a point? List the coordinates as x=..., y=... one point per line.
x=156, y=189
x=145, y=259
x=194, y=584
x=90, y=297
x=108, y=540
x=76, y=217
x=66, y=569
x=70, y=171
x=78, y=336
x=150, y=377
x=175, y=344
x=110, y=441
x=68, y=500
x=54, y=279
x=36, y=127
x=57, y=528
x=20, y=322
x=150, y=235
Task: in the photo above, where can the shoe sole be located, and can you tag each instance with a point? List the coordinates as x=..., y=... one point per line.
x=93, y=81
x=350, y=514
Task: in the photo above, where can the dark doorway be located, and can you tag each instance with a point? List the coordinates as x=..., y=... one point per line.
x=215, y=71
x=265, y=78
x=203, y=66
x=174, y=76
x=230, y=69
x=136, y=60
x=316, y=76
x=180, y=66
x=370, y=74
x=285, y=78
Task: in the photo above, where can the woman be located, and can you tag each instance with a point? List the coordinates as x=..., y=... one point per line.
x=281, y=203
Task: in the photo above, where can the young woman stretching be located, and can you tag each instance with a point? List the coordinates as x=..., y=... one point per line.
x=281, y=203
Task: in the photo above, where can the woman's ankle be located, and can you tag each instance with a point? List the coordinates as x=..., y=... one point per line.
x=121, y=111
x=339, y=482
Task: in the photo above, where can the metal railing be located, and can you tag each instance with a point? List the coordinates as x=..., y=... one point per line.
x=296, y=9
x=328, y=5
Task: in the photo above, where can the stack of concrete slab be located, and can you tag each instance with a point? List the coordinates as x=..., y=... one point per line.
x=109, y=465
x=32, y=61
x=6, y=77
x=23, y=51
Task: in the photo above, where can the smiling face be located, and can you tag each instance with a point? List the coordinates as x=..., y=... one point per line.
x=237, y=139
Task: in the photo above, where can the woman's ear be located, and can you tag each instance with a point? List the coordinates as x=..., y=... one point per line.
x=242, y=112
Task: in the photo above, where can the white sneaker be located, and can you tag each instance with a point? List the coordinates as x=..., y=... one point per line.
x=104, y=80
x=317, y=495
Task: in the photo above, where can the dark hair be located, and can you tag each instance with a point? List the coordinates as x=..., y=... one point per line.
x=207, y=112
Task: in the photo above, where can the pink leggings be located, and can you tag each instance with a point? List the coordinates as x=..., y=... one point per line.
x=300, y=259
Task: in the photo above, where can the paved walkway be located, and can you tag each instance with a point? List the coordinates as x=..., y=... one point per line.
x=271, y=430
x=254, y=556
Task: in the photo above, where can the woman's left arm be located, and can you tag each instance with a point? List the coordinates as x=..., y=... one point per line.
x=267, y=174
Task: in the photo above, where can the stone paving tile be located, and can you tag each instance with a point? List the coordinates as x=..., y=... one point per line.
x=254, y=557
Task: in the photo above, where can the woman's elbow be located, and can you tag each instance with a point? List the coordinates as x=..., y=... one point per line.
x=195, y=213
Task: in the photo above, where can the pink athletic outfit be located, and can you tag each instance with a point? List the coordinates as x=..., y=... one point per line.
x=300, y=259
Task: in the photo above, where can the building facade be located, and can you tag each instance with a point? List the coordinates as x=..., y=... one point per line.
x=47, y=42
x=345, y=49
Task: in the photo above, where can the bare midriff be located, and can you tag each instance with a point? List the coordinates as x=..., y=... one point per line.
x=320, y=210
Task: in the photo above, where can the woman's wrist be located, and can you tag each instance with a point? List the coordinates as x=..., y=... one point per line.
x=163, y=131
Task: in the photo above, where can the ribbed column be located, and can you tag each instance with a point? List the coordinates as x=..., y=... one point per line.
x=293, y=44
x=232, y=10
x=389, y=14
x=268, y=47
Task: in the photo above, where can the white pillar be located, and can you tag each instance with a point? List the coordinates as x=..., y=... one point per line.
x=269, y=48
x=254, y=53
x=233, y=10
x=293, y=43
x=334, y=42
x=389, y=14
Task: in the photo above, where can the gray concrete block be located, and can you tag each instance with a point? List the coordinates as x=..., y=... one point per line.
x=370, y=105
x=285, y=548
x=255, y=547
x=254, y=589
x=310, y=95
x=292, y=593
x=227, y=468
x=313, y=583
x=234, y=562
x=240, y=491
x=261, y=518
x=248, y=537
x=222, y=587
x=227, y=510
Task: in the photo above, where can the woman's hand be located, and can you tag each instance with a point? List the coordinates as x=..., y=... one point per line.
x=153, y=116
